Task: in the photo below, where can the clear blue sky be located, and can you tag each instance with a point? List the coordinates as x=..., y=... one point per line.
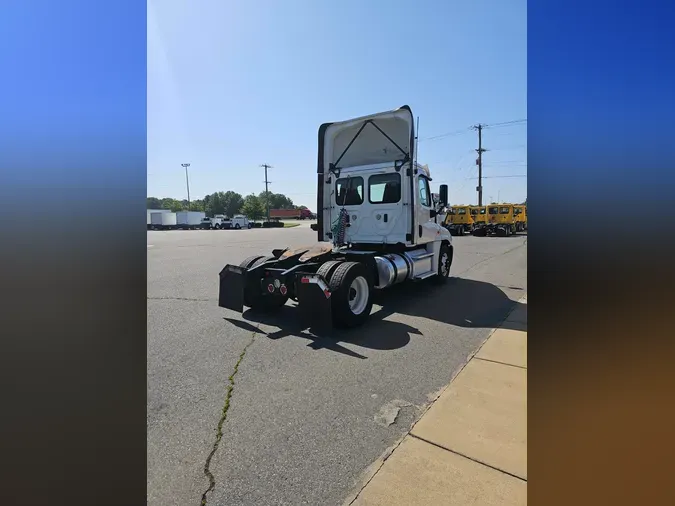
x=232, y=85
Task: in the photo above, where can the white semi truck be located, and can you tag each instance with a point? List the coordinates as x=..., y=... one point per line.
x=377, y=226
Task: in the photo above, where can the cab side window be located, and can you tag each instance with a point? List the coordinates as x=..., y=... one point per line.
x=425, y=194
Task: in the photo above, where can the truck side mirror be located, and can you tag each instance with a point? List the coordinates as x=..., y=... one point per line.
x=443, y=195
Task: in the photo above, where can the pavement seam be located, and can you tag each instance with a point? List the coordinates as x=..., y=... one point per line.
x=500, y=363
x=223, y=417
x=467, y=457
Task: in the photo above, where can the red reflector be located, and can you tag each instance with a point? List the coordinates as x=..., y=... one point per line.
x=270, y=288
x=304, y=280
x=327, y=293
x=283, y=289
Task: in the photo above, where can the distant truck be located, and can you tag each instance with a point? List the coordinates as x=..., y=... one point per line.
x=162, y=221
x=215, y=223
x=189, y=220
x=239, y=221
x=291, y=214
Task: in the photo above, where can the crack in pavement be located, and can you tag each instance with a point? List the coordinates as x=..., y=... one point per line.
x=221, y=422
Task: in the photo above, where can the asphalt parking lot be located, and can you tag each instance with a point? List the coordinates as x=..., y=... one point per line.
x=304, y=416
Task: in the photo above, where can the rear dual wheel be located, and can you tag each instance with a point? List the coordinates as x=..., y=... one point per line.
x=351, y=289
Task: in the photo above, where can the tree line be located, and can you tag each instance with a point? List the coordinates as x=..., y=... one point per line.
x=228, y=203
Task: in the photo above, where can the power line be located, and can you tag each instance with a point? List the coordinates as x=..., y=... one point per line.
x=506, y=123
x=447, y=134
x=468, y=129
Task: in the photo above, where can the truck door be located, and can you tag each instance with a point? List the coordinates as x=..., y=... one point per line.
x=424, y=232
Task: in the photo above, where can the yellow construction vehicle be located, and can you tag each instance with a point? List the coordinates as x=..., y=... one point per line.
x=520, y=212
x=501, y=221
x=459, y=220
x=479, y=214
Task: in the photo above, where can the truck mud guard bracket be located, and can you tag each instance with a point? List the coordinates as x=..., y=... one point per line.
x=314, y=300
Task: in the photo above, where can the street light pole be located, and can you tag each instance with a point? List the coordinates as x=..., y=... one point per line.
x=187, y=181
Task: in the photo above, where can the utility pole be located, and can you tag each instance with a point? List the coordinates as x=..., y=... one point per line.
x=187, y=181
x=479, y=162
x=267, y=193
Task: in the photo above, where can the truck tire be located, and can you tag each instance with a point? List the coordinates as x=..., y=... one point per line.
x=237, y=226
x=253, y=296
x=327, y=269
x=351, y=294
x=444, y=264
x=246, y=264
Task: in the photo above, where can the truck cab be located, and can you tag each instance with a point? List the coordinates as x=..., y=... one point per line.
x=519, y=212
x=479, y=214
x=459, y=220
x=377, y=226
x=367, y=172
x=501, y=219
x=239, y=221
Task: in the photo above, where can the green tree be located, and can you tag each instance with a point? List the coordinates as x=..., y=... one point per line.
x=153, y=203
x=172, y=204
x=232, y=202
x=277, y=200
x=253, y=207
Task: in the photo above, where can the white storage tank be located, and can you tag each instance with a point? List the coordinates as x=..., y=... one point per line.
x=163, y=220
x=189, y=219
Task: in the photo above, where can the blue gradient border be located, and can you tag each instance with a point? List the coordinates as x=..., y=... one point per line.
x=73, y=254
x=601, y=172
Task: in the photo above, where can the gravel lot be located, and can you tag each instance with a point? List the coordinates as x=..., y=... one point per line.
x=305, y=415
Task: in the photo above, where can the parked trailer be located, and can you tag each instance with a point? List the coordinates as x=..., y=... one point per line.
x=163, y=221
x=151, y=211
x=290, y=214
x=377, y=227
x=189, y=220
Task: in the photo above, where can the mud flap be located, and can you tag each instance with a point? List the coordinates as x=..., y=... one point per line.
x=232, y=285
x=314, y=301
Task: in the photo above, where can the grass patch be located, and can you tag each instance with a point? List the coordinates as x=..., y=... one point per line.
x=290, y=225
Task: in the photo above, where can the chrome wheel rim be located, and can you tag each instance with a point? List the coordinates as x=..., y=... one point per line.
x=358, y=295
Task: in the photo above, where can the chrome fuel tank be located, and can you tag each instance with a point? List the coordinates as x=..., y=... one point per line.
x=391, y=269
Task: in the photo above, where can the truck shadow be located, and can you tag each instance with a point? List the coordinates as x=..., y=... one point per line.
x=459, y=302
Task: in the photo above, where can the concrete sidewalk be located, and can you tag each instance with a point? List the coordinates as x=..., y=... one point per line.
x=470, y=447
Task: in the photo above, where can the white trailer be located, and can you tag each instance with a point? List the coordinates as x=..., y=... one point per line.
x=189, y=219
x=163, y=221
x=150, y=211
